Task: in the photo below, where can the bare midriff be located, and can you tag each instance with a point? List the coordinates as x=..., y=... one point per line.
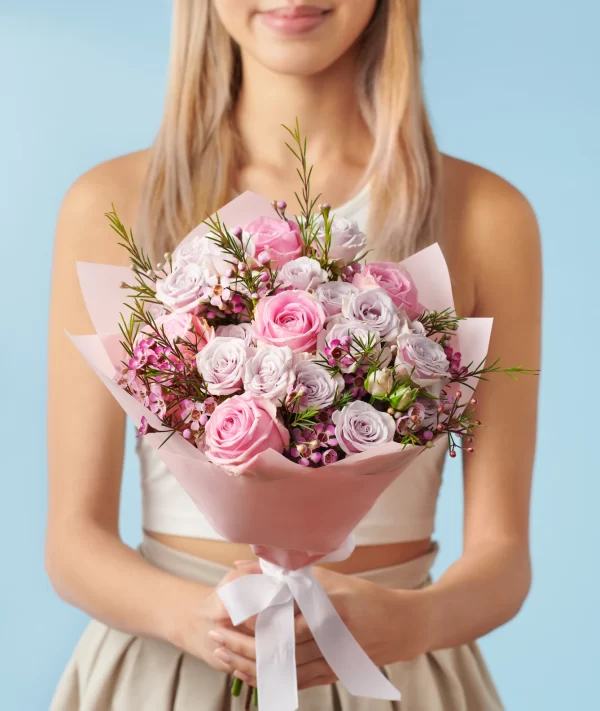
x=363, y=558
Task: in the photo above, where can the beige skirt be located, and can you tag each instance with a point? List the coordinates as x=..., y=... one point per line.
x=115, y=671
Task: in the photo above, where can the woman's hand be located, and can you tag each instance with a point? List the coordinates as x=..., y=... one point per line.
x=390, y=626
x=200, y=621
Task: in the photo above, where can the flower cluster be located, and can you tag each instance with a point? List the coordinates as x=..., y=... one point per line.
x=276, y=334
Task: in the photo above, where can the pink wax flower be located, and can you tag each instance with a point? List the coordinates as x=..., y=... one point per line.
x=290, y=318
x=280, y=239
x=241, y=428
x=186, y=327
x=396, y=281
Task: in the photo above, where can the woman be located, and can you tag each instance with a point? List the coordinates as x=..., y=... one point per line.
x=349, y=70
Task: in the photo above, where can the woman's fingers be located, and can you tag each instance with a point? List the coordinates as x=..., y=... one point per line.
x=248, y=567
x=307, y=652
x=235, y=642
x=315, y=673
x=319, y=681
x=303, y=633
x=235, y=663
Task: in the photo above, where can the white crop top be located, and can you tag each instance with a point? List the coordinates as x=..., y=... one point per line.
x=405, y=512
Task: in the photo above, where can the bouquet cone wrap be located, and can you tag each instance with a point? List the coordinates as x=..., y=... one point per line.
x=292, y=516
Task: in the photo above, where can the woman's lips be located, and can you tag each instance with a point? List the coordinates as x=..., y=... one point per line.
x=294, y=21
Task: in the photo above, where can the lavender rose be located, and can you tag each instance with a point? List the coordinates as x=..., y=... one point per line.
x=184, y=288
x=303, y=273
x=319, y=386
x=237, y=330
x=360, y=427
x=347, y=240
x=425, y=359
x=221, y=363
x=375, y=308
x=331, y=296
x=204, y=252
x=270, y=372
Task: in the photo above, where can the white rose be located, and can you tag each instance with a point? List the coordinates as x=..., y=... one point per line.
x=407, y=326
x=331, y=296
x=375, y=308
x=237, y=330
x=270, y=372
x=319, y=385
x=359, y=427
x=303, y=273
x=379, y=383
x=221, y=363
x=347, y=240
x=204, y=252
x=184, y=288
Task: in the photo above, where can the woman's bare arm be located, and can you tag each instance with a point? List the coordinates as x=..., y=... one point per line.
x=487, y=586
x=88, y=564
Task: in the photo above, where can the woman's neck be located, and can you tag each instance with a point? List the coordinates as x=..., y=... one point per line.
x=325, y=105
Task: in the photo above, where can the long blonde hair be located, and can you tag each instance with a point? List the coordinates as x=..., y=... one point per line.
x=196, y=151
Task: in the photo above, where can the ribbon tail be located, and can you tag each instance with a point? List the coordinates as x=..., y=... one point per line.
x=347, y=659
x=275, y=635
x=276, y=658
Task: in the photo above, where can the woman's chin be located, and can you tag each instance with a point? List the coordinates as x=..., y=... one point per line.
x=296, y=61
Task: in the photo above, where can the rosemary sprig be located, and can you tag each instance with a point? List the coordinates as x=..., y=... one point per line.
x=444, y=323
x=306, y=203
x=141, y=264
x=481, y=371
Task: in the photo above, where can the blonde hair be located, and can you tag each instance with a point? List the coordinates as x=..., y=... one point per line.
x=197, y=150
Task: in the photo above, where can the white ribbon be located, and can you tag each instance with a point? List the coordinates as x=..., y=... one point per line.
x=271, y=596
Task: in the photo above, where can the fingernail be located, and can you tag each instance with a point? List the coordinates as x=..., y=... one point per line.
x=216, y=637
x=222, y=654
x=243, y=562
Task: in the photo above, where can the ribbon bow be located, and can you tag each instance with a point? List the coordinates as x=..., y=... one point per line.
x=271, y=596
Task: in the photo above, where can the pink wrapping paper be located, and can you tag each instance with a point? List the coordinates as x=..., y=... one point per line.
x=292, y=516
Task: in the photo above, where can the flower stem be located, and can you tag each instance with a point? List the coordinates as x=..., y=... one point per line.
x=236, y=687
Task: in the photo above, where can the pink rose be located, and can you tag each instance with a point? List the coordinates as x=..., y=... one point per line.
x=240, y=429
x=280, y=239
x=396, y=281
x=181, y=327
x=290, y=318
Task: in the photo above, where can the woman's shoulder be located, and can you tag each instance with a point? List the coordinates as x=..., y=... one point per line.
x=489, y=225
x=116, y=182
x=474, y=195
x=482, y=210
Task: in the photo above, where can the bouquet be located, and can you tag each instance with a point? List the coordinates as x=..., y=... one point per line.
x=286, y=382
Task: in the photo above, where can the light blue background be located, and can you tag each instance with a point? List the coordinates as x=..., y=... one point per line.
x=512, y=86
